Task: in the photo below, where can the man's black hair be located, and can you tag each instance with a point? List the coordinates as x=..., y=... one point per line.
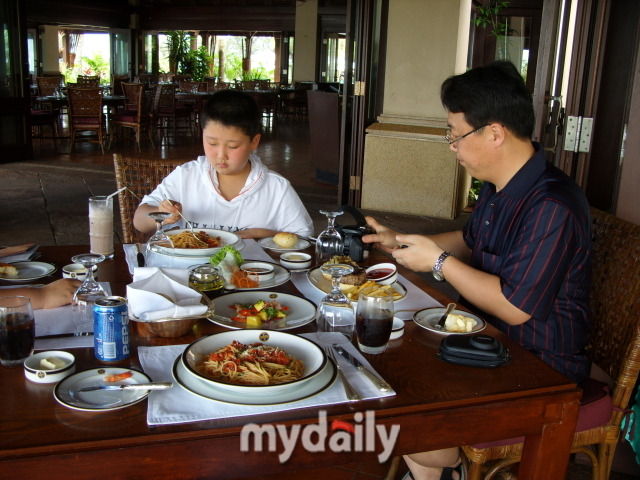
x=493, y=93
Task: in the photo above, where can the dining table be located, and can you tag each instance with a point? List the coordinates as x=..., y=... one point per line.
x=434, y=405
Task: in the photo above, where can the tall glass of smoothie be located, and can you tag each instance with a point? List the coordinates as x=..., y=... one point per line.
x=101, y=225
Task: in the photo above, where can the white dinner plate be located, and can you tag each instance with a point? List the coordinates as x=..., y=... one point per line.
x=281, y=275
x=227, y=238
x=319, y=281
x=99, y=400
x=269, y=244
x=428, y=318
x=301, y=311
x=30, y=271
x=192, y=384
x=312, y=356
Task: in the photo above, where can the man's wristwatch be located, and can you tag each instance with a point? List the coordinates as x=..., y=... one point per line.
x=437, y=267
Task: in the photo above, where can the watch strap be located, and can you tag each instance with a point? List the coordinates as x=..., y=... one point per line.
x=437, y=267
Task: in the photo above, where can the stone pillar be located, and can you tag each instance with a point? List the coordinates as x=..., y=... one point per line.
x=406, y=150
x=305, y=43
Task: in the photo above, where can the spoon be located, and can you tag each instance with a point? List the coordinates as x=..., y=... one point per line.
x=443, y=318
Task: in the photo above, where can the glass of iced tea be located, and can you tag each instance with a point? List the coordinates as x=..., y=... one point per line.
x=17, y=330
x=374, y=319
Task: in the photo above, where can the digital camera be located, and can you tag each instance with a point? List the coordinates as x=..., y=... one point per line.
x=352, y=235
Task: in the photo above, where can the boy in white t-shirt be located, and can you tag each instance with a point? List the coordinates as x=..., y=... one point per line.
x=229, y=188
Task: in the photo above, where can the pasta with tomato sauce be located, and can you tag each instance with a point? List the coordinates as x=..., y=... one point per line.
x=200, y=239
x=255, y=364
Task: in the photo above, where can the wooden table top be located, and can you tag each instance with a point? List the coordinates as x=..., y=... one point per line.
x=437, y=405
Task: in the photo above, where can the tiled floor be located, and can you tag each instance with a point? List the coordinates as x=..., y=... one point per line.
x=45, y=200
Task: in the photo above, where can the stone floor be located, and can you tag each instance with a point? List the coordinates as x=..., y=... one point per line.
x=44, y=200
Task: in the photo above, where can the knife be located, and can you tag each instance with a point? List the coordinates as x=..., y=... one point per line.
x=128, y=386
x=140, y=256
x=377, y=381
x=443, y=318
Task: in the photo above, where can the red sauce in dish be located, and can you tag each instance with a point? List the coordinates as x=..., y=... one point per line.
x=379, y=273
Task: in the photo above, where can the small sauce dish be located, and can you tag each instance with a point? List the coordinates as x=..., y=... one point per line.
x=262, y=270
x=295, y=260
x=76, y=270
x=383, y=273
x=49, y=367
x=397, y=330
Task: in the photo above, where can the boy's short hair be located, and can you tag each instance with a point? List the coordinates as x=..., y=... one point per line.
x=492, y=93
x=233, y=108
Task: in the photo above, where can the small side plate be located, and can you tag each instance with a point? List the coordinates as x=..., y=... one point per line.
x=428, y=318
x=100, y=400
x=269, y=244
x=30, y=271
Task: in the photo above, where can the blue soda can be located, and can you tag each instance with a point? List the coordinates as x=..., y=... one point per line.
x=111, y=329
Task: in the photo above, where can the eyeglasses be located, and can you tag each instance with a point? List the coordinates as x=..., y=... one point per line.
x=451, y=141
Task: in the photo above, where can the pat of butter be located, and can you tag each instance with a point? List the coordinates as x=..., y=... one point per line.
x=51, y=363
x=295, y=258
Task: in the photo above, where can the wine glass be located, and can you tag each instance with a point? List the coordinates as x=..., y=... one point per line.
x=159, y=239
x=86, y=295
x=329, y=242
x=335, y=312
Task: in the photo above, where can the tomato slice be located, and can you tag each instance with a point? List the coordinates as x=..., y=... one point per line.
x=245, y=312
x=239, y=319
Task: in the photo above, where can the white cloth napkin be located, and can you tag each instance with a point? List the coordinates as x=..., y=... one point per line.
x=178, y=405
x=158, y=293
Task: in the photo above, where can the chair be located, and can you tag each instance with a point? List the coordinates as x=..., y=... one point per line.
x=87, y=81
x=614, y=346
x=137, y=114
x=85, y=113
x=39, y=118
x=48, y=86
x=140, y=176
x=166, y=108
x=116, y=83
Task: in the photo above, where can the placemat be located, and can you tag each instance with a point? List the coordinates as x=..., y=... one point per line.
x=178, y=405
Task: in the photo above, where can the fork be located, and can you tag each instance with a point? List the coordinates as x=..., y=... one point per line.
x=189, y=224
x=351, y=392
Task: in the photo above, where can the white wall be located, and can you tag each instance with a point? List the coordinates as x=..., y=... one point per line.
x=50, y=54
x=305, y=43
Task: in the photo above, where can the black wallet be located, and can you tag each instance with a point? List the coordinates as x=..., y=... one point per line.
x=474, y=350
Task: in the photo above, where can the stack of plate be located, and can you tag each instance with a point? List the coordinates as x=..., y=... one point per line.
x=319, y=374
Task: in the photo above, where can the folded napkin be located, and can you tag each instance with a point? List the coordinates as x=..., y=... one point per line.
x=158, y=293
x=178, y=405
x=19, y=253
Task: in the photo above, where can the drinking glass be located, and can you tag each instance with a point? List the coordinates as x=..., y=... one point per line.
x=101, y=225
x=207, y=279
x=86, y=295
x=159, y=238
x=329, y=242
x=374, y=319
x=335, y=312
x=17, y=330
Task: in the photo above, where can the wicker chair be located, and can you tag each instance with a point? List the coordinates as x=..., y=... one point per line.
x=614, y=346
x=88, y=81
x=85, y=113
x=137, y=114
x=140, y=176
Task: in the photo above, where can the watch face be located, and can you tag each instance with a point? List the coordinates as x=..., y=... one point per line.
x=437, y=275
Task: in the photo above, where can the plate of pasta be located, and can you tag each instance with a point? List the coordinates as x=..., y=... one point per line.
x=203, y=242
x=255, y=362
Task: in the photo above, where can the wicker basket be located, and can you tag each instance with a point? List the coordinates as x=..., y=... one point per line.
x=175, y=327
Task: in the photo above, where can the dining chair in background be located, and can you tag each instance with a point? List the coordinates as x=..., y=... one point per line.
x=116, y=83
x=614, y=348
x=140, y=176
x=85, y=114
x=87, y=81
x=168, y=110
x=137, y=114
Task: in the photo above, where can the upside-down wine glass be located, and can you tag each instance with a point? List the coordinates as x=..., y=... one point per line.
x=335, y=313
x=86, y=295
x=159, y=238
x=329, y=242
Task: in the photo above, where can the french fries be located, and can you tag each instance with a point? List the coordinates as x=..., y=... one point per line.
x=352, y=292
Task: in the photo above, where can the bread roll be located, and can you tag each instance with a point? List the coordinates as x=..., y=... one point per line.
x=285, y=239
x=459, y=323
x=8, y=270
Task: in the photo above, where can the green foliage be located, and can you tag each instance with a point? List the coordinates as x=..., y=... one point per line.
x=196, y=63
x=233, y=66
x=96, y=66
x=488, y=17
x=474, y=190
x=178, y=46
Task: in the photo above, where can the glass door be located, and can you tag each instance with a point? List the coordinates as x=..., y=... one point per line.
x=120, y=52
x=15, y=137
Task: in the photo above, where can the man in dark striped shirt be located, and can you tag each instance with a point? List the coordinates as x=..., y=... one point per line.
x=524, y=256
